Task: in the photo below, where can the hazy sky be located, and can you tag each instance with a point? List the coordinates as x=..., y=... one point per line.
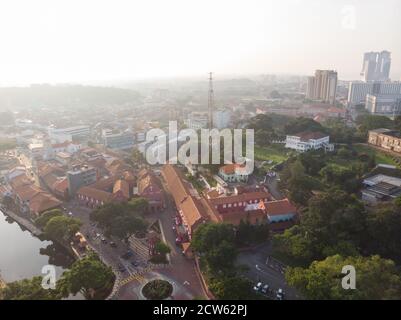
x=68, y=40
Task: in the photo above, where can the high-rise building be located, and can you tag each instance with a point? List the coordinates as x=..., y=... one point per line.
x=221, y=118
x=323, y=86
x=358, y=90
x=376, y=66
x=386, y=105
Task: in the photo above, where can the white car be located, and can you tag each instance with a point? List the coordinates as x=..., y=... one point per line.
x=280, y=294
x=258, y=286
x=265, y=288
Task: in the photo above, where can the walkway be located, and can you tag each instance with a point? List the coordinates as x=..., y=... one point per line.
x=23, y=221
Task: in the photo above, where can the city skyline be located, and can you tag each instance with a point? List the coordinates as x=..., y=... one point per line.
x=183, y=39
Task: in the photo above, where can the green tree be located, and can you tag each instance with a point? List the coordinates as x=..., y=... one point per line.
x=215, y=243
x=61, y=228
x=89, y=276
x=376, y=279
x=232, y=288
x=384, y=230
x=119, y=219
x=139, y=205
x=28, y=289
x=303, y=124
x=162, y=248
x=44, y=218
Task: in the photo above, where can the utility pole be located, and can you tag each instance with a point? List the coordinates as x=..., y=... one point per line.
x=210, y=101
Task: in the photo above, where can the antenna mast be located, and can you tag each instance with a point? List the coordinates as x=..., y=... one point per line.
x=210, y=100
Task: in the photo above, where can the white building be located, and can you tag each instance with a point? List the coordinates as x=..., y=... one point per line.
x=234, y=173
x=60, y=135
x=383, y=105
x=115, y=139
x=305, y=141
x=358, y=90
x=221, y=118
x=197, y=120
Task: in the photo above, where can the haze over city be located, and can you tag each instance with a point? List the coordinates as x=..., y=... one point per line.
x=83, y=41
x=206, y=151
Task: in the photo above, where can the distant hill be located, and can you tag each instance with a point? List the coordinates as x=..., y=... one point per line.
x=63, y=95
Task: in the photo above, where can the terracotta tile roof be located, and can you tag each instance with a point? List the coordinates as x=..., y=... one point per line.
x=232, y=168
x=148, y=180
x=117, y=166
x=336, y=110
x=251, y=216
x=20, y=181
x=243, y=197
x=191, y=206
x=48, y=168
x=95, y=194
x=105, y=184
x=279, y=207
x=61, y=185
x=27, y=192
x=42, y=202
x=123, y=186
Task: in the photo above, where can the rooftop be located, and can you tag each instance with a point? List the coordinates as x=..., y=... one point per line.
x=308, y=135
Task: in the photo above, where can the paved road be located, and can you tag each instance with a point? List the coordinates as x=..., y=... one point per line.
x=271, y=184
x=183, y=269
x=259, y=271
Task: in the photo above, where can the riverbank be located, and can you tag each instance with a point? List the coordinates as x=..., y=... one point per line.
x=27, y=224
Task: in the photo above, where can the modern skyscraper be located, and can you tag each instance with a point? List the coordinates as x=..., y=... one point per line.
x=376, y=66
x=358, y=90
x=322, y=86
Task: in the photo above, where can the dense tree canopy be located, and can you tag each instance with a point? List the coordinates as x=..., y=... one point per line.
x=62, y=228
x=45, y=217
x=303, y=124
x=232, y=288
x=88, y=275
x=334, y=222
x=368, y=122
x=28, y=289
x=120, y=219
x=384, y=230
x=376, y=278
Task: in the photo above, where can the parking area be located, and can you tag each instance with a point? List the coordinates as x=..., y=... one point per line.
x=262, y=268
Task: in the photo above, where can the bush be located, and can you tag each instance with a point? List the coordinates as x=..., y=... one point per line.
x=157, y=290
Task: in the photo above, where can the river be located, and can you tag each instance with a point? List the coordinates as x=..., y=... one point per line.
x=23, y=255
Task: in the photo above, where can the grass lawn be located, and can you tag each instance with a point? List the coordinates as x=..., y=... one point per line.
x=276, y=153
x=381, y=157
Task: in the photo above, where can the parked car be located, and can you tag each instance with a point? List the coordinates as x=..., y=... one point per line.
x=103, y=240
x=280, y=294
x=258, y=286
x=265, y=289
x=134, y=263
x=121, y=268
x=113, y=244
